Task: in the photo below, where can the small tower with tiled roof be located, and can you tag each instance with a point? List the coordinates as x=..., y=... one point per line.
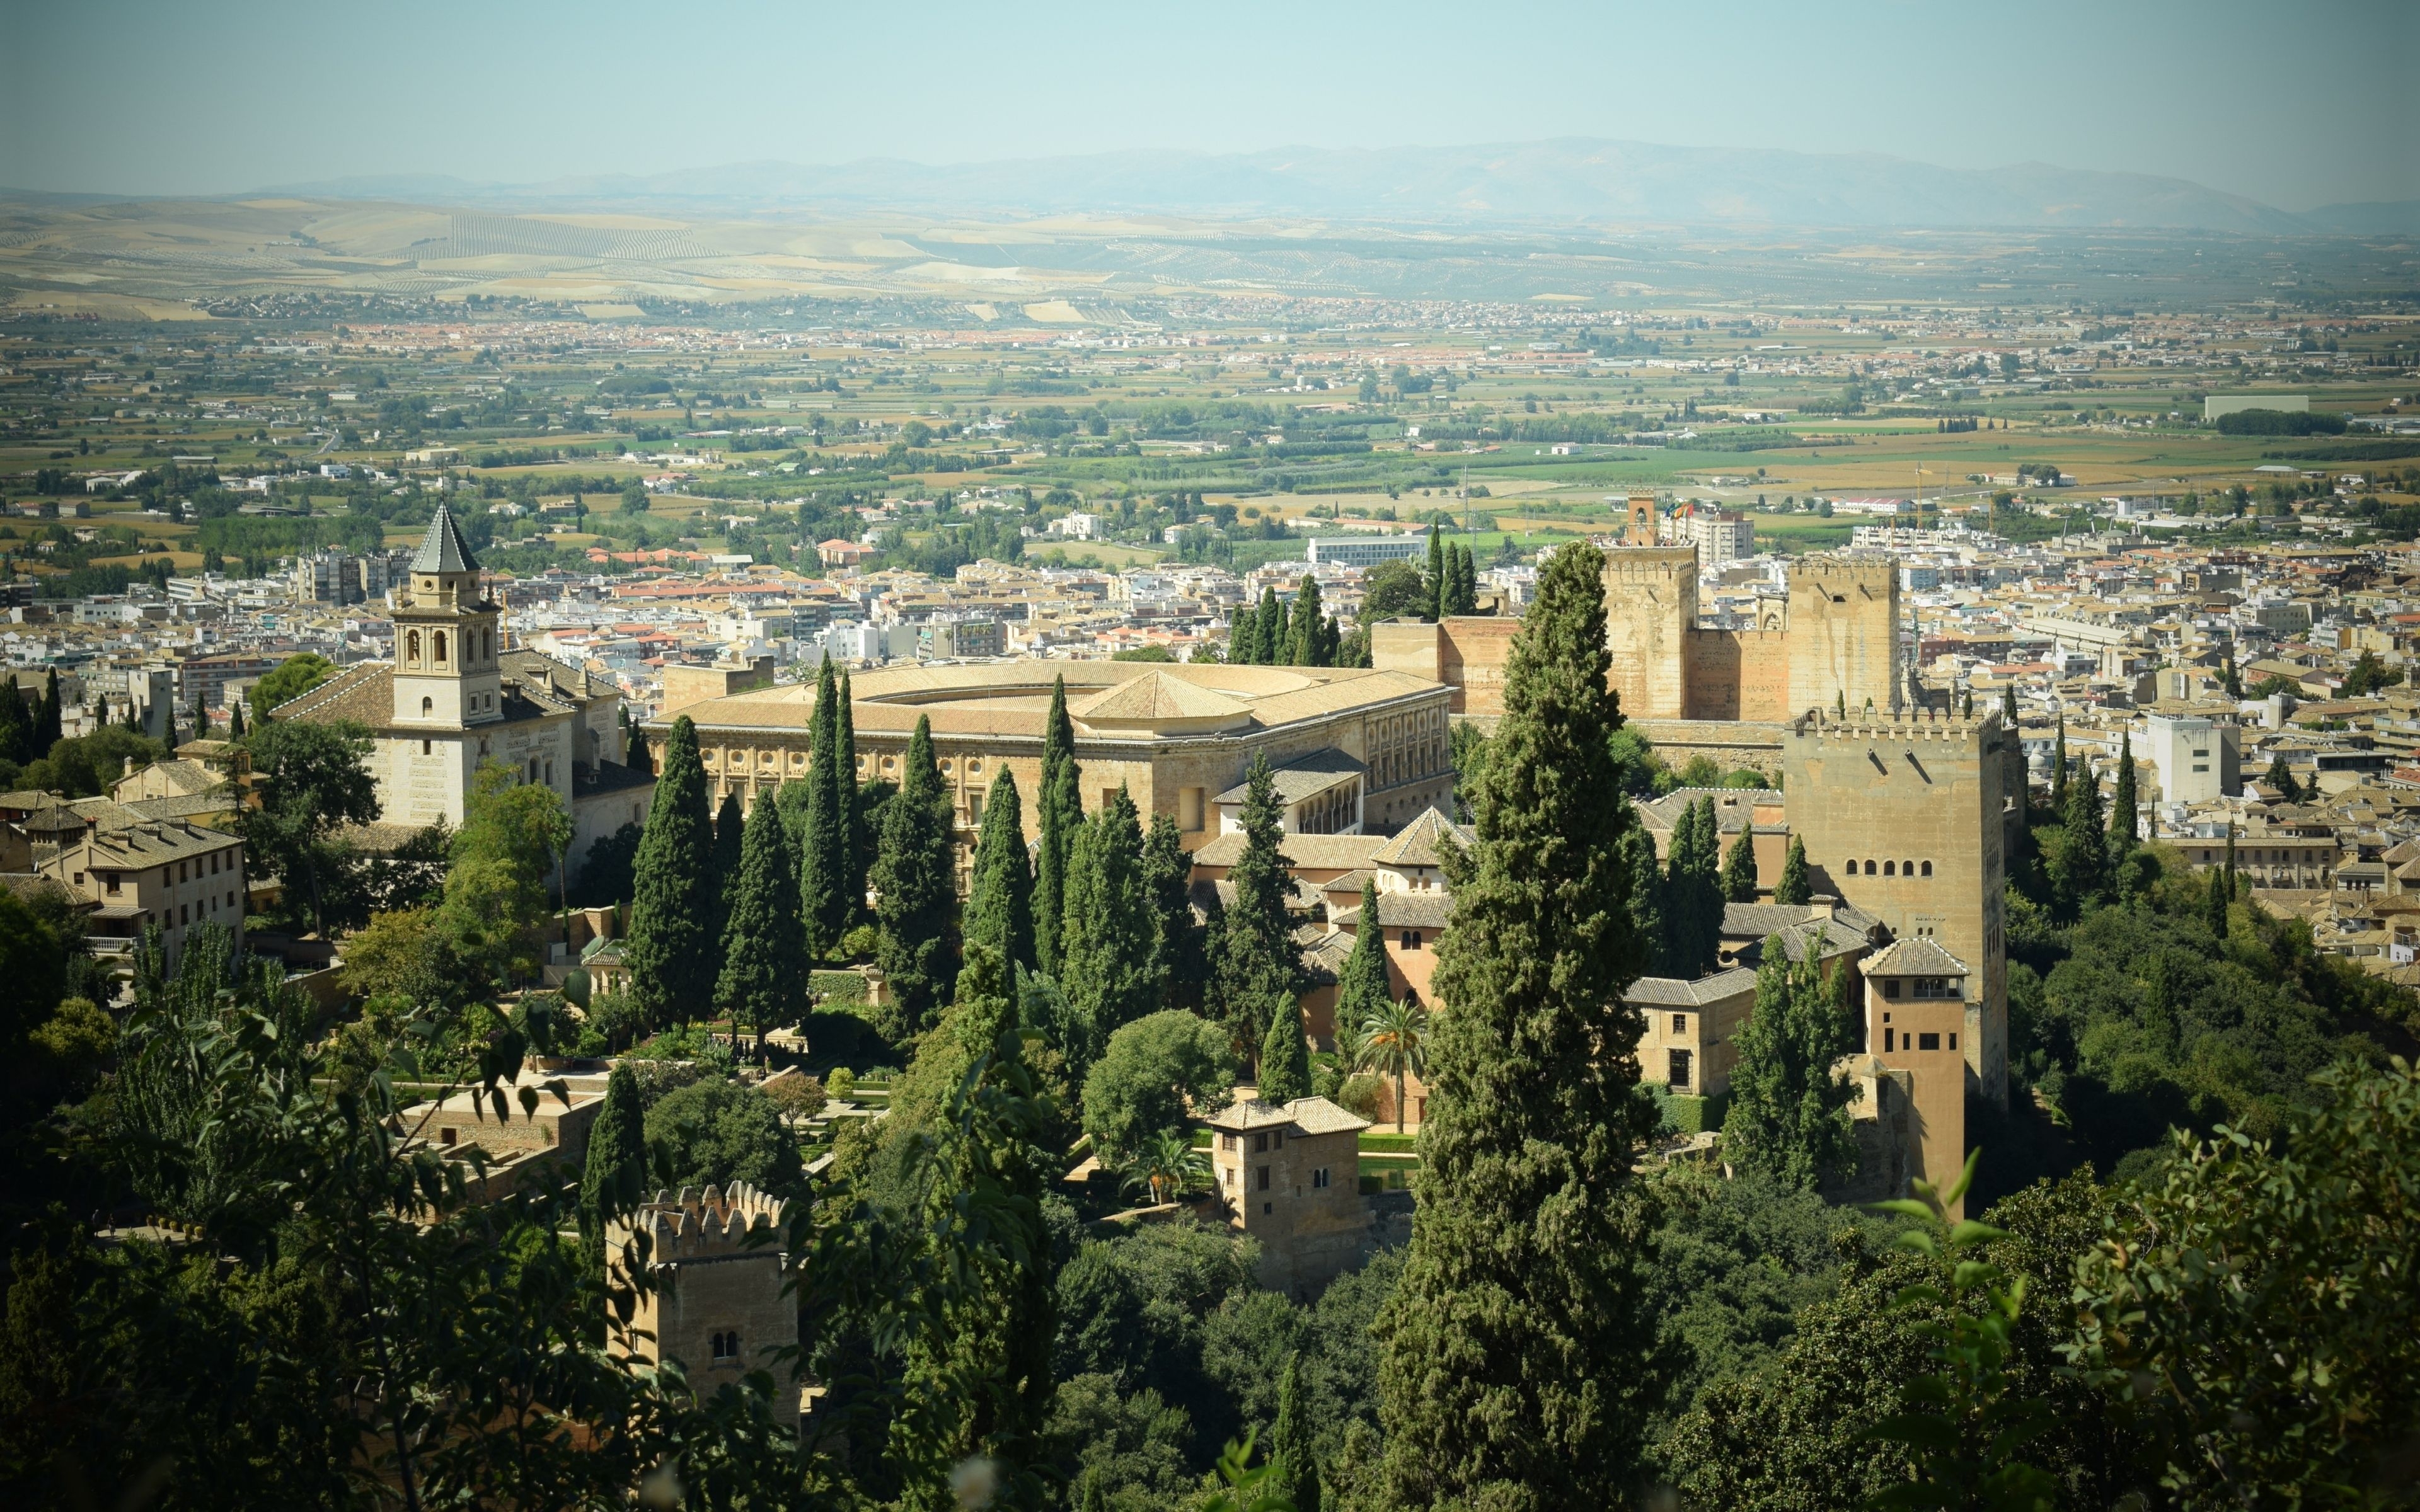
x=446, y=638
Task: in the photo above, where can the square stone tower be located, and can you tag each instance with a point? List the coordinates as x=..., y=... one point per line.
x=446, y=673
x=715, y=1268
x=1650, y=606
x=1902, y=817
x=1844, y=634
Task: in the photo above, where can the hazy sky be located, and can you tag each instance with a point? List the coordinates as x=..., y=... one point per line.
x=2296, y=102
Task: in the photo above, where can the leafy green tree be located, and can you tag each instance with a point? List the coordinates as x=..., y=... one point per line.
x=1519, y=1364
x=824, y=859
x=764, y=977
x=1393, y=591
x=1294, y=1465
x=1260, y=961
x=2280, y=780
x=1739, y=868
x=1062, y=808
x=1153, y=1071
x=2368, y=675
x=289, y=680
x=313, y=781
x=1107, y=933
x=1285, y=1056
x=716, y=1132
x=1394, y=1041
x=615, y=1180
x=1789, y=1110
x=669, y=950
x=914, y=877
x=999, y=910
x=2252, y=1303
x=500, y=862
x=1794, y=886
x=1178, y=964
x=1167, y=1167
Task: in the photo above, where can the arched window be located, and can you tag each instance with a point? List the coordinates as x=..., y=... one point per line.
x=1907, y=869
x=437, y=642
x=1870, y=869
x=1928, y=868
x=487, y=644
x=428, y=708
x=1888, y=869
x=411, y=647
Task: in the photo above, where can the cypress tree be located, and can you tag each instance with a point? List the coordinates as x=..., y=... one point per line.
x=1062, y=808
x=46, y=719
x=1106, y=935
x=1285, y=1054
x=1293, y=1467
x=671, y=947
x=1260, y=961
x=2059, y=769
x=16, y=726
x=1177, y=969
x=2230, y=861
x=1794, y=886
x=1307, y=636
x=859, y=851
x=1644, y=877
x=614, y=1179
x=1789, y=1113
x=235, y=720
x=2214, y=904
x=2079, y=871
x=1739, y=868
x=1693, y=894
x=1270, y=644
x=723, y=860
x=2009, y=707
x=2125, y=810
x=763, y=964
x=999, y=905
x=823, y=849
x=1519, y=1359
x=1363, y=986
x=914, y=876
x=1435, y=583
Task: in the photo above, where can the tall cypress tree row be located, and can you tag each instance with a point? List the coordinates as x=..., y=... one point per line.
x=1363, y=986
x=1306, y=638
x=1106, y=932
x=723, y=860
x=615, y=1180
x=1177, y=967
x=824, y=862
x=1433, y=581
x=2125, y=808
x=1061, y=809
x=1000, y=903
x=1260, y=961
x=1739, y=868
x=1519, y=1358
x=1789, y=1112
x=1693, y=895
x=859, y=851
x=671, y=948
x=915, y=878
x=1644, y=876
x=1294, y=1465
x=1794, y=887
x=1269, y=643
x=764, y=975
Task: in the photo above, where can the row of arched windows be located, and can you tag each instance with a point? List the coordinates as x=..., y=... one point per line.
x=1891, y=869
x=485, y=646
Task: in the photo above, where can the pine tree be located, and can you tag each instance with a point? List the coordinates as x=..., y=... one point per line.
x=1285, y=1055
x=914, y=876
x=1519, y=1356
x=1177, y=968
x=1293, y=1467
x=1106, y=934
x=615, y=1180
x=1061, y=806
x=1790, y=1112
x=1000, y=907
x=1435, y=576
x=1363, y=987
x=2125, y=810
x=722, y=862
x=859, y=851
x=671, y=947
x=823, y=848
x=1739, y=868
x=764, y=965
x=2079, y=871
x=1794, y=887
x=1260, y=961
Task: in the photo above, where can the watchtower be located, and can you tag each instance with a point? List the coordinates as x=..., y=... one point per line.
x=1902, y=818
x=715, y=1267
x=1844, y=634
x=1650, y=606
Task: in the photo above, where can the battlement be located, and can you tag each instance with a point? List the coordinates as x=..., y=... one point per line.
x=1829, y=566
x=691, y=1225
x=1651, y=561
x=1897, y=725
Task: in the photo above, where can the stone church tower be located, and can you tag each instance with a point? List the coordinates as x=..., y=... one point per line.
x=446, y=675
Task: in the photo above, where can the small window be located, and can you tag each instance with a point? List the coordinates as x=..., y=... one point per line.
x=1411, y=939
x=1928, y=1041
x=437, y=646
x=1680, y=1024
x=726, y=1345
x=111, y=879
x=1907, y=869
x=1870, y=869
x=1890, y=1041
x=1276, y=1140
x=428, y=747
x=1890, y=987
x=428, y=708
x=1319, y=1178
x=1888, y=869
x=1953, y=1042
x=1260, y=1144
x=1928, y=868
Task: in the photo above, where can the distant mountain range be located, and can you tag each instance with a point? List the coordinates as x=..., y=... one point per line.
x=1568, y=180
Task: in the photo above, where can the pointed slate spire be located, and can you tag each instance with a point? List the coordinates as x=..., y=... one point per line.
x=443, y=549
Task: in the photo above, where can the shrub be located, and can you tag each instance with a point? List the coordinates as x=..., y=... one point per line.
x=1360, y=1095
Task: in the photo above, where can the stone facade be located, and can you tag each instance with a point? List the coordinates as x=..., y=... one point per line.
x=715, y=1270
x=1833, y=644
x=1288, y=1175
x=1905, y=819
x=1915, y=1021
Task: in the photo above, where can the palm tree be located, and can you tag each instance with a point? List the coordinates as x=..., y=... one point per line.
x=1396, y=1041
x=1168, y=1166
